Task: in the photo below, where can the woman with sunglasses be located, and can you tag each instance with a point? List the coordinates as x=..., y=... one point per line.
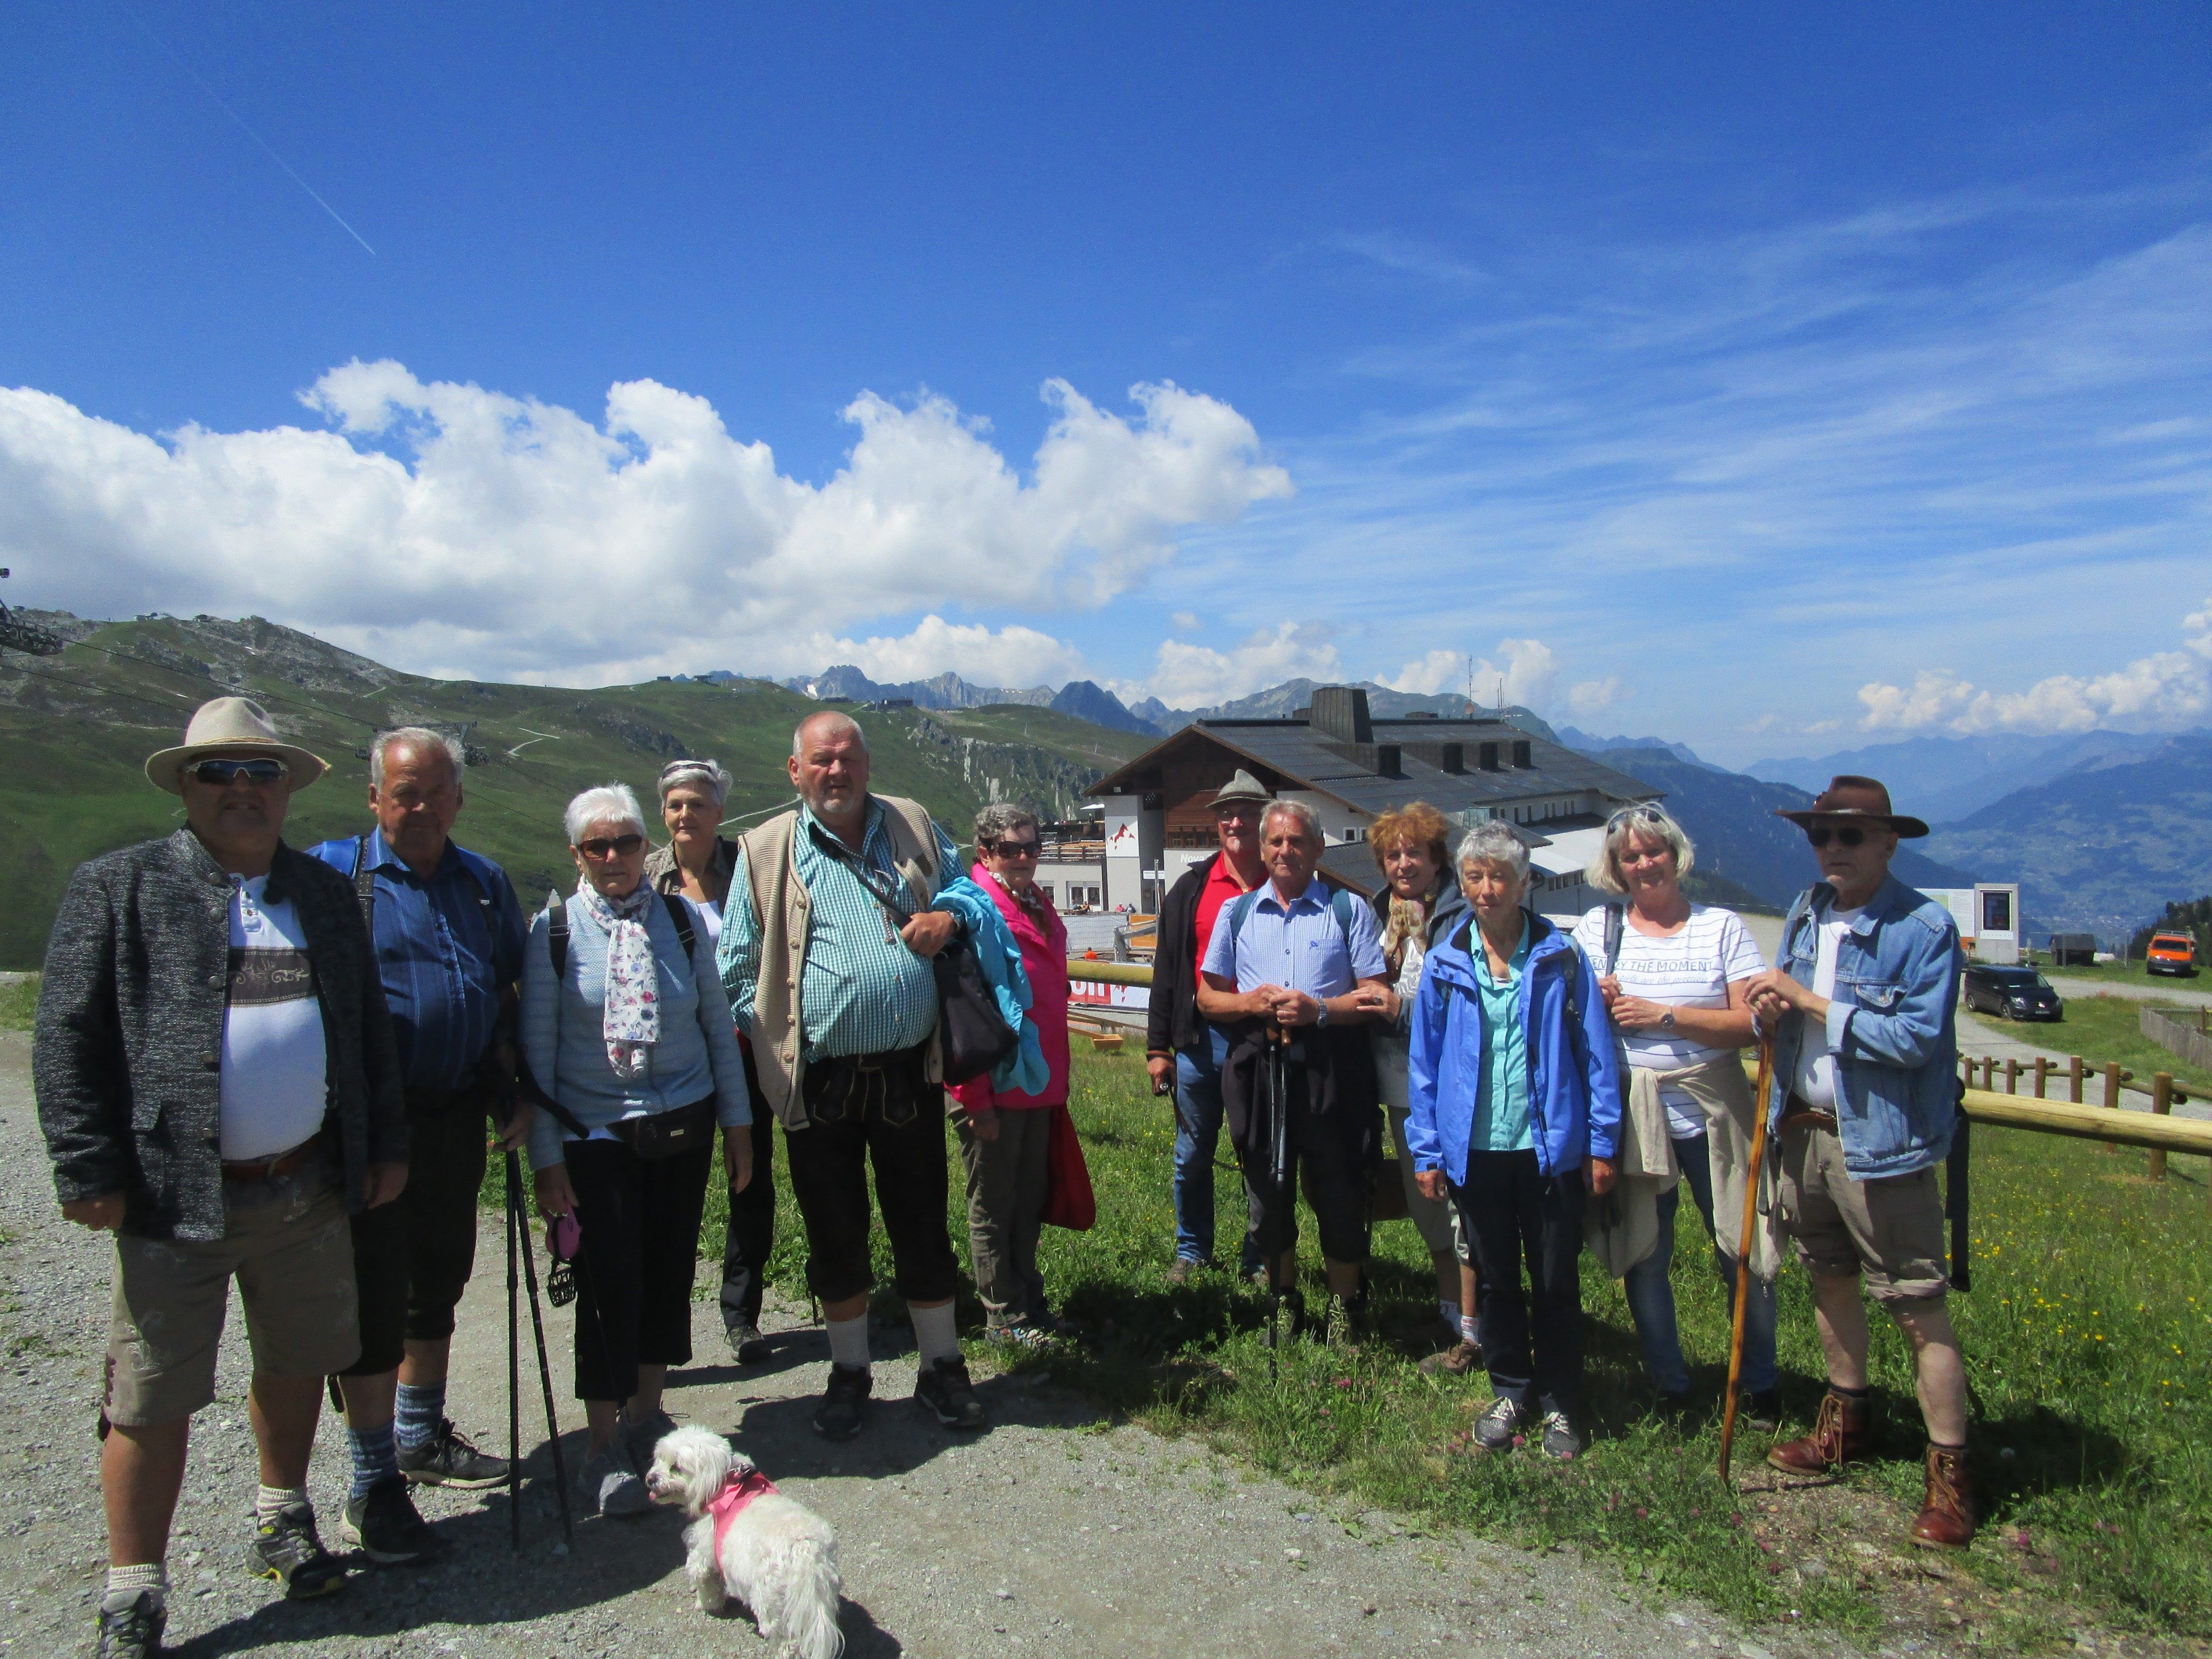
x=630, y=1035
x=1676, y=979
x=1005, y=1134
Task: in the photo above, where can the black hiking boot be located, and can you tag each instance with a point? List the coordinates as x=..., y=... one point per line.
x=844, y=1404
x=447, y=1459
x=942, y=1387
x=384, y=1525
x=288, y=1550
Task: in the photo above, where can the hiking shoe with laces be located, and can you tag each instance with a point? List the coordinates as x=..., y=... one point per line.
x=610, y=1487
x=132, y=1630
x=1341, y=1326
x=1293, y=1318
x=1457, y=1360
x=1186, y=1268
x=1034, y=1339
x=844, y=1404
x=1495, y=1429
x=643, y=1435
x=942, y=1387
x=1560, y=1440
x=447, y=1458
x=288, y=1550
x=1842, y=1433
x=747, y=1345
x=384, y=1525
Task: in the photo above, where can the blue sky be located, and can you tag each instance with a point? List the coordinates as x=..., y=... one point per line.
x=1765, y=381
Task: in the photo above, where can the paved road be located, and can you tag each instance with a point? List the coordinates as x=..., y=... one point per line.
x=2181, y=992
x=1055, y=1533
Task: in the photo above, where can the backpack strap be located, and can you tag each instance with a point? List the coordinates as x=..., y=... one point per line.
x=680, y=914
x=1340, y=905
x=1616, y=921
x=364, y=885
x=556, y=933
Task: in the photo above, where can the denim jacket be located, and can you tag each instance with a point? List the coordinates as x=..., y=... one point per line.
x=1892, y=1025
x=1574, y=1072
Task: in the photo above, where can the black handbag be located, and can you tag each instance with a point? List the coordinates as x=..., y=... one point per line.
x=972, y=1035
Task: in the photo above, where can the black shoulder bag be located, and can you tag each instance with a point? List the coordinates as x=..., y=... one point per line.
x=972, y=1034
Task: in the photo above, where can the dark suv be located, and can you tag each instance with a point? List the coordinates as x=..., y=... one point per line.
x=2012, y=994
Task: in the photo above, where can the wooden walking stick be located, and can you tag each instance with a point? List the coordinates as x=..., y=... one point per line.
x=1743, y=1251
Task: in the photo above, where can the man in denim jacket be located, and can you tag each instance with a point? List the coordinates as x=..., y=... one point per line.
x=1862, y=1001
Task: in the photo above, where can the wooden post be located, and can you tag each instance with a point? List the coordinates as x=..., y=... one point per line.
x=1990, y=1072
x=2042, y=1071
x=2161, y=1103
x=2112, y=1075
x=2012, y=1075
x=2074, y=1080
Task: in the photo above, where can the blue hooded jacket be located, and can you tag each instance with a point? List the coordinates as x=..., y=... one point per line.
x=1574, y=1072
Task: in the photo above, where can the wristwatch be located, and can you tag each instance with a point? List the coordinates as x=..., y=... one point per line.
x=1321, y=1011
x=1666, y=1020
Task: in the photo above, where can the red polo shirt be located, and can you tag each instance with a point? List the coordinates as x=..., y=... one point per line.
x=1221, y=888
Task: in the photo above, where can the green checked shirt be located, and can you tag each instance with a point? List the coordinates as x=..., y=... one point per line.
x=863, y=991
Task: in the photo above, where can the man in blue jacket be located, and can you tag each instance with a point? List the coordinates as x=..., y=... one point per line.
x=1866, y=1053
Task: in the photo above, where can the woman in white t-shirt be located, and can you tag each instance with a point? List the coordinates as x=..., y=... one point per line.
x=1674, y=976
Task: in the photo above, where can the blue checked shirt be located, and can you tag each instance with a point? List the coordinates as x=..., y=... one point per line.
x=863, y=991
x=445, y=947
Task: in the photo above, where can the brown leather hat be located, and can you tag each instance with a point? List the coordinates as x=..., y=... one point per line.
x=1849, y=797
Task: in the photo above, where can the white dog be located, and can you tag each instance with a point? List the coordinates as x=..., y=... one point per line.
x=749, y=1540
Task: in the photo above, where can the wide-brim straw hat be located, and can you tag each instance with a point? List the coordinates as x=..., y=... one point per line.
x=1850, y=797
x=232, y=726
x=1242, y=787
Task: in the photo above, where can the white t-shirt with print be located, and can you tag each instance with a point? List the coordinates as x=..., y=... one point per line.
x=1815, y=1082
x=275, y=1070
x=1691, y=969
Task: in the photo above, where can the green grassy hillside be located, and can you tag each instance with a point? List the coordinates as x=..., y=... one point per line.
x=75, y=731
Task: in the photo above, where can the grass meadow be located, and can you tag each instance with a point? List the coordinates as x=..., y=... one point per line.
x=2088, y=1336
x=2101, y=1029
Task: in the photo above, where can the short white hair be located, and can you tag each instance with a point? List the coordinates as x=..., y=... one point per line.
x=419, y=738
x=610, y=803
x=835, y=719
x=710, y=774
x=1493, y=842
x=1604, y=872
x=1309, y=820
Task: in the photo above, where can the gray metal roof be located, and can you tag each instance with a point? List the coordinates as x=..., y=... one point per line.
x=1348, y=771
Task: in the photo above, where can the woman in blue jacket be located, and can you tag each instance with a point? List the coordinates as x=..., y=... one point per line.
x=1515, y=1090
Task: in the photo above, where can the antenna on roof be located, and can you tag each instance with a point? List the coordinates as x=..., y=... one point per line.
x=16, y=635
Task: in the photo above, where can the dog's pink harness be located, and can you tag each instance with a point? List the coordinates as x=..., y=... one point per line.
x=738, y=1491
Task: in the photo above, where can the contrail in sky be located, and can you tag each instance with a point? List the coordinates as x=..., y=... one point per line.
x=176, y=58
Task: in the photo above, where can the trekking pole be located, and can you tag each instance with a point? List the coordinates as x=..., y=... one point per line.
x=1743, y=1251
x=537, y=1330
x=1279, y=1174
x=514, y=1383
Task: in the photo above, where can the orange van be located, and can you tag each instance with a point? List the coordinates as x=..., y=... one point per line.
x=2171, y=953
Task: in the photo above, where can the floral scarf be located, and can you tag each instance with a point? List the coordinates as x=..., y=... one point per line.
x=630, y=1009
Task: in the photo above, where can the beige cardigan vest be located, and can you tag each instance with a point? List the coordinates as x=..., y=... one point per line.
x=783, y=911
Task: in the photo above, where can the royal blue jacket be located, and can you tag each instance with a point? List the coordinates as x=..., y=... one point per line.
x=1892, y=1026
x=1574, y=1072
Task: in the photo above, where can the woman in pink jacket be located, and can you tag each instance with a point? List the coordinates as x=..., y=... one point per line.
x=1004, y=1137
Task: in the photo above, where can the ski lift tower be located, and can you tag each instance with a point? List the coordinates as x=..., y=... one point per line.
x=16, y=635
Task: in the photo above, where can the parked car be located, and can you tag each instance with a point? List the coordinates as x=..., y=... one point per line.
x=2012, y=994
x=2171, y=953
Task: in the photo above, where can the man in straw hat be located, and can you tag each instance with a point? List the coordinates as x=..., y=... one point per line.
x=218, y=1085
x=1861, y=1002
x=1184, y=1053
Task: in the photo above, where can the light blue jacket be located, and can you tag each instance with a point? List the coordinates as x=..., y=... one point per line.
x=1892, y=1025
x=1574, y=1070
x=697, y=1054
x=999, y=954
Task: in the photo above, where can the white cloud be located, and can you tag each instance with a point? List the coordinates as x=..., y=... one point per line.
x=1186, y=675
x=1593, y=696
x=1425, y=676
x=1013, y=656
x=1184, y=622
x=1529, y=671
x=2164, y=687
x=463, y=530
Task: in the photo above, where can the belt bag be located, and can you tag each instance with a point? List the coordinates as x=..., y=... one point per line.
x=667, y=1134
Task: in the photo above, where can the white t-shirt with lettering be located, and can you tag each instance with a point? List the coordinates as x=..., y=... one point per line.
x=275, y=1072
x=1692, y=969
x=1815, y=1082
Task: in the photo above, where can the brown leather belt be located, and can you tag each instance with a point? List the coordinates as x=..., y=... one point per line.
x=268, y=1169
x=1796, y=1115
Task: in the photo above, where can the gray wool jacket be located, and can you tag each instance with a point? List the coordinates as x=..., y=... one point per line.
x=126, y=1050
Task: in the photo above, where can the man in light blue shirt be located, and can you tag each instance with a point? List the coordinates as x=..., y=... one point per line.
x=1292, y=961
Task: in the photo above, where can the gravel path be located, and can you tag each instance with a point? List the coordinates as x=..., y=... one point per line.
x=1054, y=1534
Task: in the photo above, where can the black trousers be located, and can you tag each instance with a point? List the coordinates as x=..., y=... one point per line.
x=879, y=1110
x=640, y=1224
x=1335, y=1185
x=1532, y=1339
x=412, y=1257
x=752, y=1227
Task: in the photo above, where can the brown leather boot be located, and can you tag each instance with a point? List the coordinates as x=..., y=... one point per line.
x=1842, y=1434
x=1947, y=1513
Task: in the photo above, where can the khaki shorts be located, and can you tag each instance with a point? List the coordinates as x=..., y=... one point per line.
x=1891, y=1231
x=288, y=1246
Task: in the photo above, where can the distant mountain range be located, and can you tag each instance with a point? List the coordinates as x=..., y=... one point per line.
x=1590, y=744
x=1946, y=778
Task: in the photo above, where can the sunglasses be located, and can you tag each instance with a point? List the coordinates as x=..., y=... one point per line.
x=1850, y=835
x=620, y=847
x=1015, y=849
x=219, y=773
x=1642, y=814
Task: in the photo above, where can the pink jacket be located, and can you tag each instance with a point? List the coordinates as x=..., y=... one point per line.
x=1043, y=938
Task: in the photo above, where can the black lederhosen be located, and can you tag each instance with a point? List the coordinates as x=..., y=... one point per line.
x=412, y=1257
x=1335, y=1130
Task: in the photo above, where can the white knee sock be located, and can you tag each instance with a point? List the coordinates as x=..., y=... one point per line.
x=848, y=1343
x=270, y=1501
x=125, y=1584
x=933, y=1334
x=1450, y=1312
